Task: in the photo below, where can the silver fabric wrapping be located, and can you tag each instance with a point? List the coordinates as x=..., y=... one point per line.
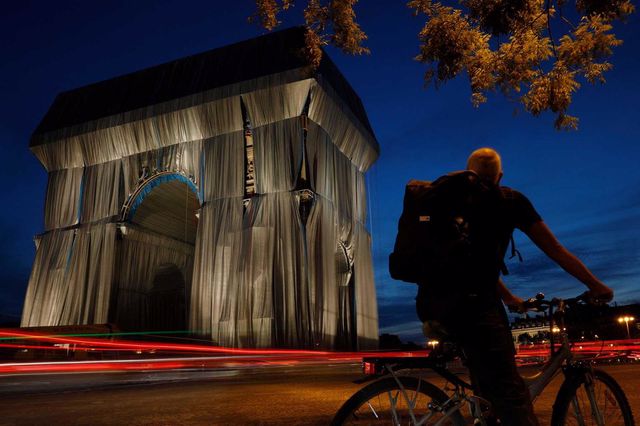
x=278, y=153
x=346, y=132
x=73, y=148
x=224, y=167
x=47, y=287
x=62, y=205
x=71, y=279
x=219, y=240
x=277, y=232
x=213, y=114
x=102, y=196
x=366, y=304
x=256, y=275
x=321, y=239
x=184, y=158
x=90, y=275
x=335, y=178
x=276, y=103
x=218, y=252
x=141, y=255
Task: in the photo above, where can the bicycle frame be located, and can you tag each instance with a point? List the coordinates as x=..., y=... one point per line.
x=458, y=399
x=560, y=360
x=550, y=368
x=536, y=384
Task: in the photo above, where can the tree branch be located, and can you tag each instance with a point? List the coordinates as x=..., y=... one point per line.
x=565, y=20
x=553, y=42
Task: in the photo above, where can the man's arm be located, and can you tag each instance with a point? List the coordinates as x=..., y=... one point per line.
x=510, y=299
x=542, y=236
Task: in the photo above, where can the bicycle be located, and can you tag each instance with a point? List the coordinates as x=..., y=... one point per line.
x=588, y=396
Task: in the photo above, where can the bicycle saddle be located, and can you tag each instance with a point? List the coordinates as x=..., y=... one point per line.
x=434, y=330
x=446, y=349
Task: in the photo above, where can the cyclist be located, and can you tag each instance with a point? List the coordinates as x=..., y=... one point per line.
x=467, y=304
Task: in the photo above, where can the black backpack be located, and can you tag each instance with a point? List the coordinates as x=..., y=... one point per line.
x=433, y=232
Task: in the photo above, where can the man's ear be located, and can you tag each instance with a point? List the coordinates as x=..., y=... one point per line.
x=499, y=177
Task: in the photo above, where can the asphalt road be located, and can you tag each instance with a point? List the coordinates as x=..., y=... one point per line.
x=288, y=395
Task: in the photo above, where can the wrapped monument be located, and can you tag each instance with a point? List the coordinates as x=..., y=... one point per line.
x=222, y=193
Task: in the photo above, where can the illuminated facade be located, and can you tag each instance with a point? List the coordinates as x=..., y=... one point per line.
x=221, y=193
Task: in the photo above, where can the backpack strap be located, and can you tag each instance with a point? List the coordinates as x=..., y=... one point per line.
x=503, y=268
x=507, y=194
x=514, y=251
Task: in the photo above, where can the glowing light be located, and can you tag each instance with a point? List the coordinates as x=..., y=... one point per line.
x=626, y=319
x=8, y=332
x=368, y=368
x=161, y=356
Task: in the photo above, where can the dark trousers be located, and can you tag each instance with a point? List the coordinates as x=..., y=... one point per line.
x=481, y=328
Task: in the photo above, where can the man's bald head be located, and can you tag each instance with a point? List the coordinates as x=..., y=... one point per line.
x=486, y=163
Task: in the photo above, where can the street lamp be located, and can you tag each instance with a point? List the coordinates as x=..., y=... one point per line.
x=625, y=319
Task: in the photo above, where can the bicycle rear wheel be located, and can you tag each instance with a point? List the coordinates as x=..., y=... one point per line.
x=382, y=402
x=573, y=404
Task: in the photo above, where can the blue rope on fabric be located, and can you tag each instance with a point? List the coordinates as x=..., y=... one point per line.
x=153, y=183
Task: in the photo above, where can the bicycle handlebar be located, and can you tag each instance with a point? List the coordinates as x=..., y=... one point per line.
x=539, y=303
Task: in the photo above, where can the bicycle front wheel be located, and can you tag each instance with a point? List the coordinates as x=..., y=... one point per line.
x=599, y=401
x=383, y=403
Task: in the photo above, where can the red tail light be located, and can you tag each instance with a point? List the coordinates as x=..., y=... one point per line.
x=369, y=368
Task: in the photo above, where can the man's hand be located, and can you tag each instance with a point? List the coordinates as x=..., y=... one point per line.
x=600, y=294
x=514, y=303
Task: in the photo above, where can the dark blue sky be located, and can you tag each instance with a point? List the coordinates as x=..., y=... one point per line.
x=585, y=184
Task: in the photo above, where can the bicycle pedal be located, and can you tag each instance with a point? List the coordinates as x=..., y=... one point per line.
x=435, y=407
x=481, y=403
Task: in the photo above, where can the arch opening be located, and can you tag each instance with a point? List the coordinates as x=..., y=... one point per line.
x=165, y=204
x=167, y=300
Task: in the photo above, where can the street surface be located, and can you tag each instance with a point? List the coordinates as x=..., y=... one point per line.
x=286, y=395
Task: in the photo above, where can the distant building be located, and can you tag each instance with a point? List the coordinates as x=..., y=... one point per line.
x=582, y=322
x=529, y=329
x=223, y=192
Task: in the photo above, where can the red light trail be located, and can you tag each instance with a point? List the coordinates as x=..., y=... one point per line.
x=222, y=357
